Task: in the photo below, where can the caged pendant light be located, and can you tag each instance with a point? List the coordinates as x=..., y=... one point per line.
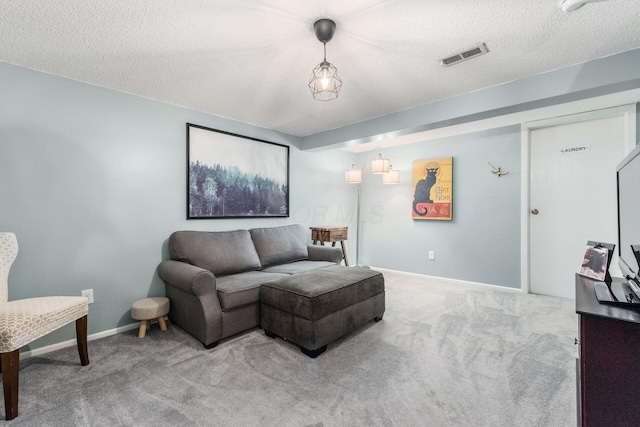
x=325, y=82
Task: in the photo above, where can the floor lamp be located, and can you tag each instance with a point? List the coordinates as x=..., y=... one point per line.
x=354, y=176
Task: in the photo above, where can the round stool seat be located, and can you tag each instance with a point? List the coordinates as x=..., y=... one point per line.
x=150, y=308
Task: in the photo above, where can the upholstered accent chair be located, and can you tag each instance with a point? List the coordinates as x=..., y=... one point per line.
x=23, y=321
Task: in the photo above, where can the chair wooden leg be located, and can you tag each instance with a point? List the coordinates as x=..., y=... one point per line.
x=10, y=367
x=81, y=337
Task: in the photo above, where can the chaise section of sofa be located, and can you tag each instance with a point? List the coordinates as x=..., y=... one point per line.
x=213, y=279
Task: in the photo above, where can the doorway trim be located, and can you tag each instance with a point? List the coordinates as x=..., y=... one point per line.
x=629, y=115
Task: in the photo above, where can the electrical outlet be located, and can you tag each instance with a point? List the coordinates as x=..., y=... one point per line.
x=88, y=293
x=432, y=255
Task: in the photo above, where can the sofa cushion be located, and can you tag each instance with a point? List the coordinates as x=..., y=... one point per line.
x=241, y=289
x=280, y=245
x=298, y=267
x=221, y=252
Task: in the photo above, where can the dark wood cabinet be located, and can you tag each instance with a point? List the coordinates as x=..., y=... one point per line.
x=608, y=376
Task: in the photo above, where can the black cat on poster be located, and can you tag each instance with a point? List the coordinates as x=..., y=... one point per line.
x=422, y=193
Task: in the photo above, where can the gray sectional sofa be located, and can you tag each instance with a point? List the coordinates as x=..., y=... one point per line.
x=213, y=279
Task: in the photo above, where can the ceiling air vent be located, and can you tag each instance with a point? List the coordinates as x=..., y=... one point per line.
x=478, y=50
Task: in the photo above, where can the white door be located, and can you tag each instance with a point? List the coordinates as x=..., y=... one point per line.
x=572, y=198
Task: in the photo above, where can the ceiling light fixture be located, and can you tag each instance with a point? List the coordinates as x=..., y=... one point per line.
x=569, y=6
x=325, y=82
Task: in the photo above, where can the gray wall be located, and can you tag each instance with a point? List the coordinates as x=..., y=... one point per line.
x=92, y=182
x=481, y=243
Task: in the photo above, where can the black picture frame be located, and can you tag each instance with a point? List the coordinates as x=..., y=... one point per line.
x=636, y=253
x=235, y=176
x=598, y=254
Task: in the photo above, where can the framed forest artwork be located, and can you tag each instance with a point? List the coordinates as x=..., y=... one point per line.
x=234, y=176
x=432, y=189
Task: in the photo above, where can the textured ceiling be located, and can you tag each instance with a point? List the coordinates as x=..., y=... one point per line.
x=251, y=60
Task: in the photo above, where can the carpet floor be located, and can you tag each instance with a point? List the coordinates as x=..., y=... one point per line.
x=445, y=354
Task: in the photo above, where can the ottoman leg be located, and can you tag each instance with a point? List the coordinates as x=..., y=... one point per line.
x=313, y=353
x=144, y=324
x=269, y=334
x=163, y=324
x=377, y=318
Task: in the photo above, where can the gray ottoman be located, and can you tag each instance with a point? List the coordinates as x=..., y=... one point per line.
x=314, y=308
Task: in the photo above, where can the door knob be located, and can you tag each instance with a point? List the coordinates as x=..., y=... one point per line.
x=534, y=211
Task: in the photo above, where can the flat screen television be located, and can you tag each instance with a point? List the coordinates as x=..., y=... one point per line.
x=628, y=174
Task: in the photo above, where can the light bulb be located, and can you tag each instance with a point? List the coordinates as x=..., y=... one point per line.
x=324, y=81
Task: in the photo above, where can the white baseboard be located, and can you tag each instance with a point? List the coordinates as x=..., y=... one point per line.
x=73, y=342
x=452, y=281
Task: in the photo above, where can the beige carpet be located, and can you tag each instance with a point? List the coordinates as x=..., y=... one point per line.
x=444, y=355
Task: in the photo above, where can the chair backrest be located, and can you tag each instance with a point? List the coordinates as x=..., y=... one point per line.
x=8, y=253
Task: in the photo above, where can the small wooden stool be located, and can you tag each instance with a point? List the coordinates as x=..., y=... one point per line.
x=150, y=308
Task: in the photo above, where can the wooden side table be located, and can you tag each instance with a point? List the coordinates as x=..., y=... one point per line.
x=333, y=235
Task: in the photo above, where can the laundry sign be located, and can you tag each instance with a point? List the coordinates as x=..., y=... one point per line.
x=574, y=150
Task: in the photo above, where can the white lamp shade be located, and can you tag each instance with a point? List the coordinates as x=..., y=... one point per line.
x=353, y=176
x=380, y=165
x=393, y=177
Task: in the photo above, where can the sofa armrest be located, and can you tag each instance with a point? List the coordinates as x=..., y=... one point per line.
x=194, y=300
x=186, y=277
x=325, y=253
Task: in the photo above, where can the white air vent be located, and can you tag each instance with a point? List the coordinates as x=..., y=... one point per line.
x=478, y=50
